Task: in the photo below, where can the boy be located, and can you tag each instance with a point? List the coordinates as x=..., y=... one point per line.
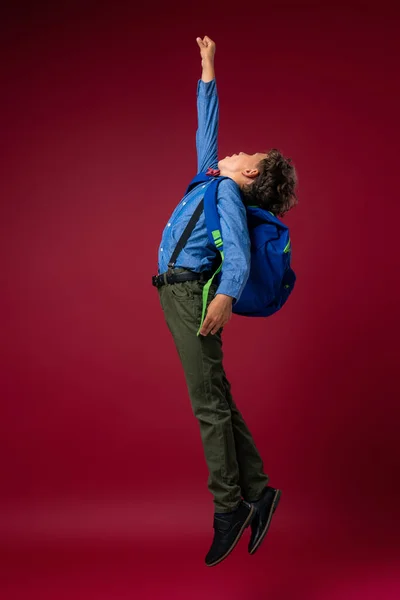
x=236, y=475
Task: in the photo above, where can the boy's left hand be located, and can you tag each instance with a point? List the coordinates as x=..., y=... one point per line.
x=218, y=314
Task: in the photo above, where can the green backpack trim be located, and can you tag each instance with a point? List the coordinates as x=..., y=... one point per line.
x=218, y=242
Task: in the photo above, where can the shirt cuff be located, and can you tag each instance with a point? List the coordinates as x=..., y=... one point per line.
x=206, y=89
x=230, y=287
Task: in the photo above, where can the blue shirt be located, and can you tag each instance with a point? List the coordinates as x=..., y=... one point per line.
x=199, y=254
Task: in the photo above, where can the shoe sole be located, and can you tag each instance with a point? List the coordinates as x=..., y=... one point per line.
x=273, y=509
x=245, y=524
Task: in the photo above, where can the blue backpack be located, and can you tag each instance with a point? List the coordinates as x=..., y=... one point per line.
x=271, y=278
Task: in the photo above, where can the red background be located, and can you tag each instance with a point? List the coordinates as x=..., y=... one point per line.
x=102, y=471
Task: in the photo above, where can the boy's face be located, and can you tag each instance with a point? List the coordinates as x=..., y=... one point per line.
x=239, y=163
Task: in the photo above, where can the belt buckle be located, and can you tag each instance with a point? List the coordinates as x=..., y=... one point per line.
x=156, y=281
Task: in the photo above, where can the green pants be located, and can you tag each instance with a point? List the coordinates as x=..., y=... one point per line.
x=234, y=464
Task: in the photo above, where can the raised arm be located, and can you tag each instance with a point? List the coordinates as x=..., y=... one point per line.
x=207, y=52
x=207, y=108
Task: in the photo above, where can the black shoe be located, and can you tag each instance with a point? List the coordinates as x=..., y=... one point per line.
x=228, y=530
x=264, y=509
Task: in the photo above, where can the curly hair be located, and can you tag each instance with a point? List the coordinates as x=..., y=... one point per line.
x=274, y=188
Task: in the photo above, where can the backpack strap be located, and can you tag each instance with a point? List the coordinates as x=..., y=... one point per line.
x=213, y=225
x=199, y=178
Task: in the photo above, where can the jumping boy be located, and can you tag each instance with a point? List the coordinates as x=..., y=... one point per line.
x=236, y=479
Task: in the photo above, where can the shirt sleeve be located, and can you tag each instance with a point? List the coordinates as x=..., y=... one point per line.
x=207, y=125
x=235, y=235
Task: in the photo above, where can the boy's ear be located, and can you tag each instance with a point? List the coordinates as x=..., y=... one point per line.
x=251, y=173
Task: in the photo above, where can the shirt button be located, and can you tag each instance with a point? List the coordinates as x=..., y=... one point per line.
x=203, y=186
x=183, y=203
x=169, y=224
x=161, y=249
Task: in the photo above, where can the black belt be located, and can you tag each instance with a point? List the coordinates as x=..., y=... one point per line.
x=163, y=278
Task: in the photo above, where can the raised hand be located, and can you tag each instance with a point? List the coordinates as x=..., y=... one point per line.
x=207, y=51
x=207, y=48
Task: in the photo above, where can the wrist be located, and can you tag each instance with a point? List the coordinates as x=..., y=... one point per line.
x=208, y=60
x=207, y=64
x=225, y=297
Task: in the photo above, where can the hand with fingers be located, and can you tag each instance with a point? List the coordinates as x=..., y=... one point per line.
x=218, y=314
x=207, y=48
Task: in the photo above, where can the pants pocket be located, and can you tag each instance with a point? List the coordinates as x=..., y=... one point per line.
x=181, y=291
